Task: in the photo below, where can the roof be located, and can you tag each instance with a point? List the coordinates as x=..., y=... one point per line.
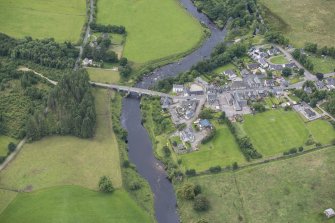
x=291, y=65
x=253, y=66
x=196, y=88
x=329, y=212
x=309, y=112
x=205, y=123
x=229, y=72
x=178, y=86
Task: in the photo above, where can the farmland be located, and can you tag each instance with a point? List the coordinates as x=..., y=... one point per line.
x=62, y=20
x=303, y=20
x=292, y=190
x=322, y=131
x=149, y=35
x=73, y=204
x=103, y=75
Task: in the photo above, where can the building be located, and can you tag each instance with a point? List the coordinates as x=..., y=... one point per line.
x=263, y=63
x=245, y=73
x=269, y=83
x=238, y=85
x=211, y=98
x=291, y=65
x=204, y=123
x=201, y=81
x=309, y=113
x=329, y=213
x=177, y=88
x=196, y=89
x=330, y=83
x=187, y=135
x=253, y=66
x=230, y=74
x=87, y=62
x=166, y=102
x=320, y=85
x=276, y=67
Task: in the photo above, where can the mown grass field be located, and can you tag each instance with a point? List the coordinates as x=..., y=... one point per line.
x=292, y=190
x=275, y=131
x=280, y=59
x=66, y=160
x=155, y=29
x=6, y=197
x=73, y=204
x=323, y=65
x=303, y=20
x=322, y=131
x=103, y=75
x=4, y=141
x=61, y=19
x=222, y=150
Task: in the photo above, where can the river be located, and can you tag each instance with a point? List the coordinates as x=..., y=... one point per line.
x=139, y=144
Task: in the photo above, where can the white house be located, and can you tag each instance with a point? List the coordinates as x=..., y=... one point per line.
x=177, y=88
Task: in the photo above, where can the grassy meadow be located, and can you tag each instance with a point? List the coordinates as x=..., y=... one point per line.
x=303, y=20
x=61, y=19
x=275, y=131
x=161, y=28
x=103, y=75
x=222, y=150
x=73, y=204
x=322, y=131
x=67, y=160
x=4, y=141
x=322, y=65
x=6, y=197
x=293, y=190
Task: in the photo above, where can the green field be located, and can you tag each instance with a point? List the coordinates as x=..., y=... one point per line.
x=155, y=29
x=103, y=75
x=66, y=160
x=4, y=141
x=275, y=131
x=303, y=20
x=293, y=190
x=323, y=65
x=61, y=19
x=322, y=131
x=222, y=150
x=73, y=204
x=280, y=59
x=226, y=67
x=6, y=197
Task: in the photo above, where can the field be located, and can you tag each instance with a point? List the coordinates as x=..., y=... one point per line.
x=61, y=19
x=322, y=131
x=6, y=197
x=73, y=204
x=66, y=160
x=226, y=67
x=280, y=59
x=222, y=151
x=103, y=75
x=4, y=141
x=323, y=65
x=155, y=29
x=303, y=20
x=293, y=190
x=275, y=131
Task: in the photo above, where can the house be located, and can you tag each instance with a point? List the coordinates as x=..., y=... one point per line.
x=229, y=99
x=238, y=84
x=291, y=65
x=320, y=85
x=308, y=90
x=263, y=63
x=284, y=82
x=329, y=213
x=196, y=89
x=309, y=113
x=263, y=55
x=204, y=123
x=273, y=52
x=177, y=88
x=230, y=74
x=211, y=98
x=269, y=83
x=330, y=83
x=276, y=67
x=187, y=135
x=253, y=66
x=201, y=81
x=245, y=72
x=87, y=62
x=166, y=102
x=253, y=81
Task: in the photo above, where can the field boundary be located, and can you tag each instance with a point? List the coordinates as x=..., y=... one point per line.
x=13, y=154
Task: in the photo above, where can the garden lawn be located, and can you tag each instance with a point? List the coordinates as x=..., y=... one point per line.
x=73, y=204
x=67, y=160
x=222, y=150
x=226, y=67
x=303, y=20
x=322, y=131
x=4, y=141
x=61, y=19
x=323, y=65
x=280, y=59
x=103, y=75
x=155, y=29
x=298, y=189
x=275, y=131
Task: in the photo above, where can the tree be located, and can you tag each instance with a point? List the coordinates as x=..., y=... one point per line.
x=311, y=47
x=11, y=147
x=123, y=61
x=190, y=172
x=187, y=191
x=235, y=166
x=166, y=151
x=301, y=71
x=319, y=76
x=201, y=203
x=287, y=72
x=105, y=185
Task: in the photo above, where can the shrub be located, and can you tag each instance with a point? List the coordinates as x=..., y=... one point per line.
x=135, y=186
x=293, y=151
x=190, y=172
x=105, y=185
x=286, y=153
x=202, y=221
x=166, y=151
x=301, y=149
x=235, y=166
x=201, y=203
x=318, y=144
x=2, y=159
x=197, y=189
x=11, y=147
x=187, y=191
x=126, y=163
x=215, y=169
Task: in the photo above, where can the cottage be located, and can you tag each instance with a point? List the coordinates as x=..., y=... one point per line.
x=320, y=85
x=272, y=52
x=166, y=102
x=331, y=83
x=201, y=81
x=187, y=135
x=230, y=74
x=211, y=98
x=329, y=213
x=177, y=88
x=204, y=123
x=269, y=83
x=196, y=89
x=263, y=63
x=276, y=67
x=238, y=84
x=245, y=72
x=309, y=113
x=291, y=65
x=253, y=66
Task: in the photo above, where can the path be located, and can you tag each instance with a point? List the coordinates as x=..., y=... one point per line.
x=25, y=69
x=13, y=154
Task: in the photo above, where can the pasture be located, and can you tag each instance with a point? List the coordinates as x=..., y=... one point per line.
x=103, y=75
x=61, y=19
x=275, y=131
x=322, y=131
x=73, y=204
x=67, y=160
x=292, y=190
x=280, y=59
x=303, y=20
x=6, y=197
x=4, y=141
x=222, y=150
x=161, y=28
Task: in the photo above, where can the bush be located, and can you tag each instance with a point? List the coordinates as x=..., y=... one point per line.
x=293, y=151
x=235, y=166
x=126, y=163
x=286, y=153
x=2, y=159
x=11, y=147
x=201, y=203
x=105, y=185
x=190, y=172
x=197, y=189
x=301, y=149
x=166, y=151
x=135, y=186
x=187, y=191
x=215, y=169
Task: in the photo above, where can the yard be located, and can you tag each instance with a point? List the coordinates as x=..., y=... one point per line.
x=222, y=150
x=61, y=19
x=293, y=190
x=275, y=131
x=280, y=59
x=226, y=67
x=323, y=65
x=103, y=75
x=303, y=20
x=66, y=160
x=149, y=35
x=4, y=141
x=73, y=204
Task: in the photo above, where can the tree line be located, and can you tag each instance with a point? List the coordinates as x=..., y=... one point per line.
x=107, y=28
x=100, y=51
x=325, y=50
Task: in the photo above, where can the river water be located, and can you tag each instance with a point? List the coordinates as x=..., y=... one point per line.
x=139, y=144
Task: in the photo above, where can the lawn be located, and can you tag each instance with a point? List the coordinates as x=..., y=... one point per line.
x=323, y=65
x=61, y=19
x=73, y=204
x=6, y=197
x=4, y=141
x=155, y=29
x=66, y=160
x=275, y=131
x=222, y=150
x=293, y=190
x=322, y=131
x=103, y=75
x=229, y=66
x=280, y=59
x=303, y=20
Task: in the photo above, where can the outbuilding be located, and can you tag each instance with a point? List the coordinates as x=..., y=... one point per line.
x=329, y=213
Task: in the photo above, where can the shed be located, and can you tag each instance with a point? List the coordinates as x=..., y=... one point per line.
x=329, y=213
x=204, y=123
